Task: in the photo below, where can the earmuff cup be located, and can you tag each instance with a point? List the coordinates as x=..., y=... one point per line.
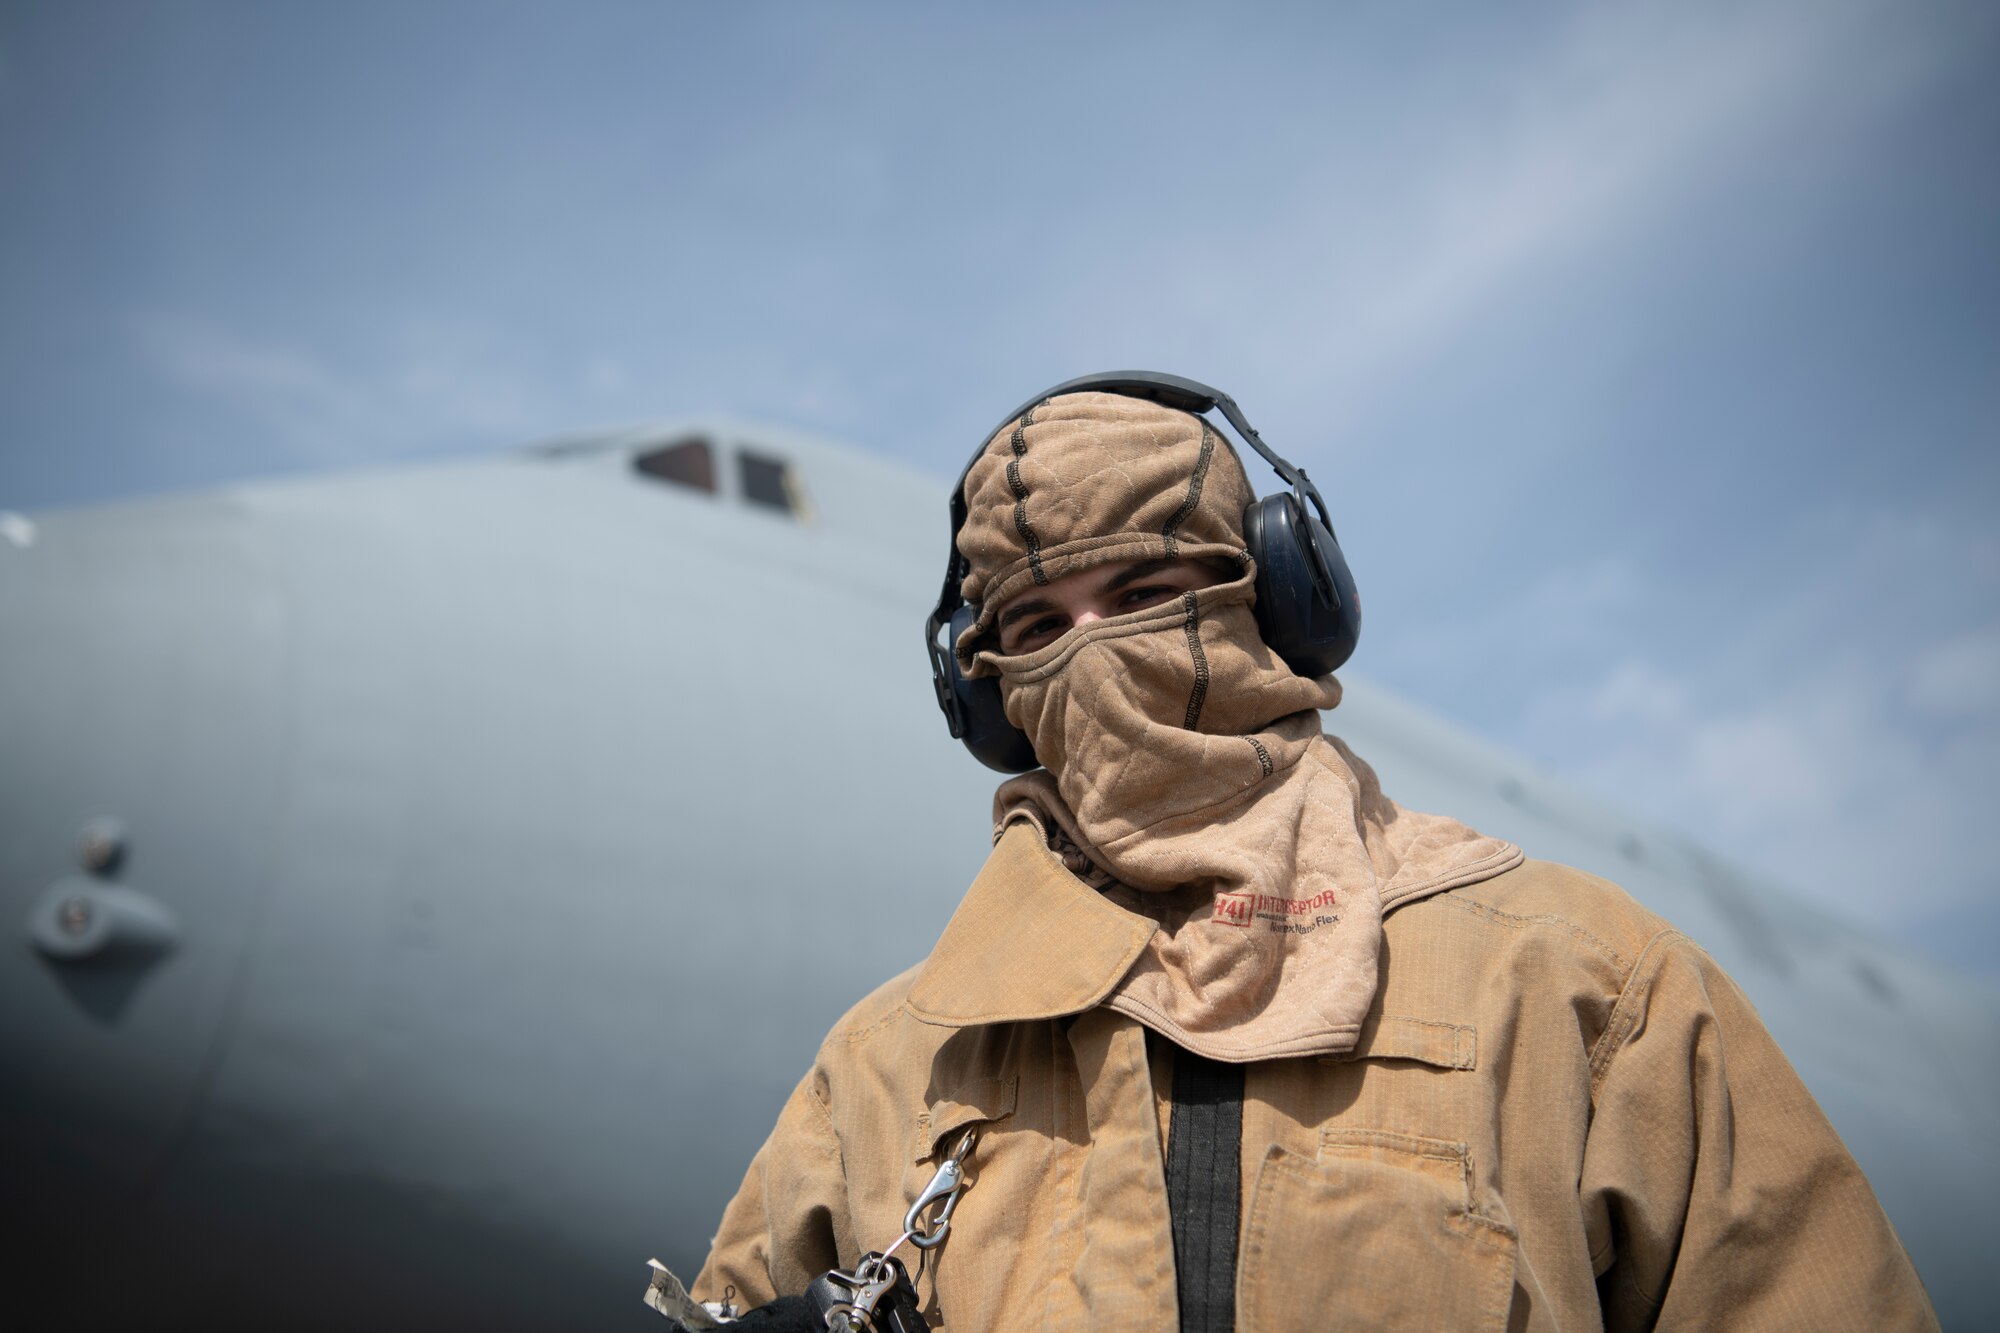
x=1310, y=633
x=993, y=740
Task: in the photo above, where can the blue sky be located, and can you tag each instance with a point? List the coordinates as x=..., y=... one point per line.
x=1649, y=355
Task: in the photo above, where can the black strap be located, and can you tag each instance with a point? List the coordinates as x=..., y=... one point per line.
x=1205, y=1188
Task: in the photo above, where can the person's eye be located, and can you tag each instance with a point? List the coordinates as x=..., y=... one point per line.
x=1150, y=595
x=1044, y=629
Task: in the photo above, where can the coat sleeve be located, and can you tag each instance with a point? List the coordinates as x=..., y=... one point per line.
x=1715, y=1191
x=789, y=1220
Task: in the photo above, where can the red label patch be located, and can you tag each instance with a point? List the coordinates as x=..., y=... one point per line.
x=1234, y=909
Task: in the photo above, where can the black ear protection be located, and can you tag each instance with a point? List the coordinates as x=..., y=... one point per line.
x=1307, y=610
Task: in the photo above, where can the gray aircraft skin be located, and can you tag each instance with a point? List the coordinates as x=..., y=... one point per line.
x=476, y=854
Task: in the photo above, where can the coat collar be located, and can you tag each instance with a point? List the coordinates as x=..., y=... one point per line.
x=1030, y=941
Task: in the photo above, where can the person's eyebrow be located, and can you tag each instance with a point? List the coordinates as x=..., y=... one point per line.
x=1033, y=607
x=1145, y=569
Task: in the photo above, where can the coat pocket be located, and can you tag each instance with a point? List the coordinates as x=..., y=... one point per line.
x=977, y=1102
x=1377, y=1232
x=982, y=1104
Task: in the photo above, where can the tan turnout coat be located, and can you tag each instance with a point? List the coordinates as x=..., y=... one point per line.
x=1561, y=1115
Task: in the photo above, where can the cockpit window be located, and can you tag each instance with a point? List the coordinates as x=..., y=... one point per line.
x=686, y=463
x=772, y=482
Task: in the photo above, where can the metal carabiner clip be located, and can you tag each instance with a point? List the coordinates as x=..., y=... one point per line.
x=945, y=1186
x=875, y=1298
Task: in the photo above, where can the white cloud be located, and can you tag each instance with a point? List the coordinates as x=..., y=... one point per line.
x=1853, y=758
x=1959, y=677
x=433, y=381
x=1636, y=692
x=1635, y=109
x=287, y=391
x=605, y=374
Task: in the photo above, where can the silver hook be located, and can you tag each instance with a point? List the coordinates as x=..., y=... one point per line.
x=946, y=1185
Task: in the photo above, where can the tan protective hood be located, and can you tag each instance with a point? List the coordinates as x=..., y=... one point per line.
x=1186, y=776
